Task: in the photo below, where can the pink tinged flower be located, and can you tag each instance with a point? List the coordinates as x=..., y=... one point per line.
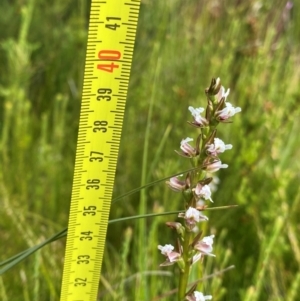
x=198, y=296
x=289, y=5
x=204, y=246
x=195, y=111
x=192, y=216
x=171, y=256
x=166, y=249
x=198, y=119
x=187, y=149
x=203, y=192
x=176, y=185
x=228, y=111
x=215, y=166
x=218, y=147
x=222, y=94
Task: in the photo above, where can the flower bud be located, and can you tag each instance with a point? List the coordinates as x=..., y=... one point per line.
x=176, y=185
x=177, y=226
x=214, y=88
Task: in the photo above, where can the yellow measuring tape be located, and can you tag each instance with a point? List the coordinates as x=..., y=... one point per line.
x=111, y=38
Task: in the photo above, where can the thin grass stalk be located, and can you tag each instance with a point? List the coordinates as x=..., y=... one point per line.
x=254, y=293
x=47, y=276
x=293, y=291
x=25, y=287
x=3, y=293
x=124, y=266
x=36, y=276
x=158, y=152
x=109, y=288
x=142, y=292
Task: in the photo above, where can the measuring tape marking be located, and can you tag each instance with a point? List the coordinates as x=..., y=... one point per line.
x=109, y=53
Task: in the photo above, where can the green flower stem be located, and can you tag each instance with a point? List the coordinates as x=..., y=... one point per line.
x=195, y=176
x=188, y=236
x=184, y=275
x=206, y=133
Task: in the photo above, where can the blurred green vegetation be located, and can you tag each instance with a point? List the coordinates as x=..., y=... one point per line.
x=253, y=46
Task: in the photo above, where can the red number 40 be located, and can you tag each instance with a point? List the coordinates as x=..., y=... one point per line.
x=108, y=55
